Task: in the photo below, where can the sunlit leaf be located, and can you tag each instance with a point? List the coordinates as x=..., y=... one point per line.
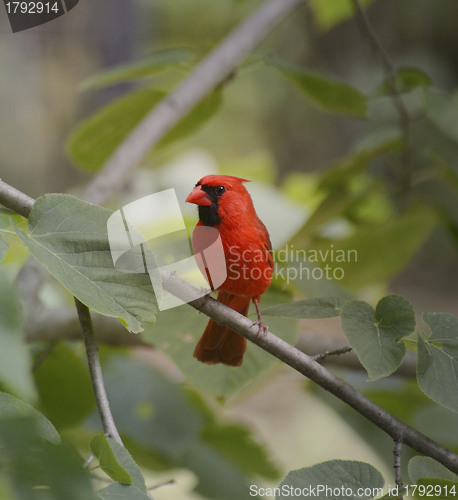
x=6, y=216
x=108, y=460
x=69, y=237
x=345, y=479
x=328, y=13
x=408, y=79
x=375, y=335
x=327, y=92
x=437, y=369
x=159, y=61
x=14, y=359
x=319, y=308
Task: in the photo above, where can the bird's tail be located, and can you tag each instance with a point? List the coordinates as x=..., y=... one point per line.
x=220, y=344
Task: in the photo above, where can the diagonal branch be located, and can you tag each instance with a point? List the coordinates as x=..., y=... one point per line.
x=223, y=315
x=305, y=364
x=205, y=77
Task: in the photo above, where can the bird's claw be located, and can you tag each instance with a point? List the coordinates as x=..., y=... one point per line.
x=263, y=329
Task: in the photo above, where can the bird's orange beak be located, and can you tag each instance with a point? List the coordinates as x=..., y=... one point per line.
x=199, y=197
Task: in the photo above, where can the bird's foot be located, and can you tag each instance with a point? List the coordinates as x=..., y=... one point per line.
x=263, y=329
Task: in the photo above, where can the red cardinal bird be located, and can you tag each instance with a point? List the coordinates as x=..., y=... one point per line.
x=226, y=205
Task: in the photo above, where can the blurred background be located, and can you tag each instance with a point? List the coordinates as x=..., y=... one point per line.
x=321, y=178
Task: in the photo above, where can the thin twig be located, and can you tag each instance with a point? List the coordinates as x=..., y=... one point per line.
x=291, y=356
x=166, y=483
x=95, y=369
x=321, y=358
x=390, y=72
x=213, y=70
x=397, y=465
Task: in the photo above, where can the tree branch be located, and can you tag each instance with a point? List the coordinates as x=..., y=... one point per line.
x=304, y=364
x=291, y=356
x=397, y=452
x=205, y=77
x=390, y=72
x=95, y=369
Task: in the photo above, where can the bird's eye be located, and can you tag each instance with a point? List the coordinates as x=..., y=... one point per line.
x=220, y=190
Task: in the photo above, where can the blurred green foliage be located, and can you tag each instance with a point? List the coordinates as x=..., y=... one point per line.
x=382, y=200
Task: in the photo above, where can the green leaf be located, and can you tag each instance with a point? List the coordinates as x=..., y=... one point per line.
x=10, y=408
x=38, y=469
x=3, y=248
x=437, y=369
x=14, y=359
x=6, y=216
x=408, y=79
x=64, y=387
x=326, y=92
x=345, y=170
x=328, y=13
x=442, y=110
x=320, y=308
x=178, y=330
x=320, y=287
x=439, y=488
x=205, y=110
x=157, y=415
x=218, y=478
x=422, y=467
x=69, y=237
x=441, y=482
x=96, y=139
x=233, y=441
x=159, y=61
x=338, y=475
x=382, y=250
x=237, y=445
x=375, y=335
x=119, y=491
x=101, y=448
